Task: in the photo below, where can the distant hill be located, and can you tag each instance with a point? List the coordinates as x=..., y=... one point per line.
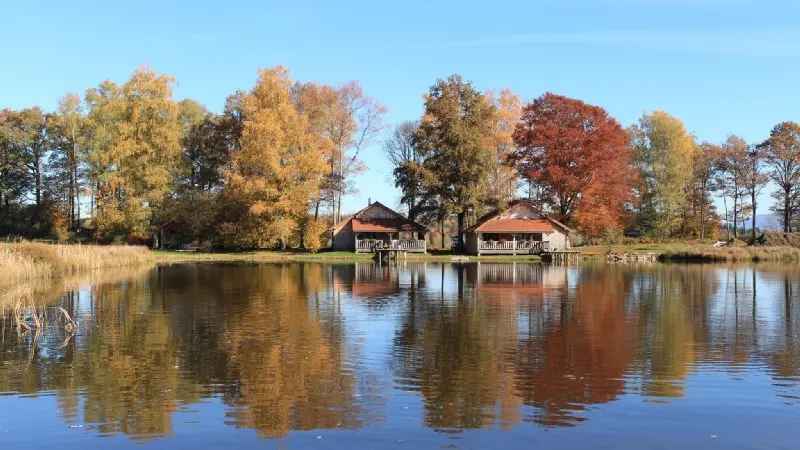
x=767, y=222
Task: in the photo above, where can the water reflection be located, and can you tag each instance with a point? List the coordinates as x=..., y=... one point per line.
x=283, y=347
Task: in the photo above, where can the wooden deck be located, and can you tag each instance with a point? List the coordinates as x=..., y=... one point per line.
x=402, y=245
x=562, y=257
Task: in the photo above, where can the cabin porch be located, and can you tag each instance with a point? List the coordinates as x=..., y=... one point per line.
x=511, y=243
x=411, y=242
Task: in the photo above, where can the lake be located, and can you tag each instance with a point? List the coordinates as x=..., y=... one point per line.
x=420, y=355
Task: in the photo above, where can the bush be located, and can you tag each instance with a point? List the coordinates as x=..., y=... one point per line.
x=315, y=235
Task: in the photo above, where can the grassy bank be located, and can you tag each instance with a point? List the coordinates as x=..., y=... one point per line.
x=30, y=262
x=698, y=252
x=733, y=254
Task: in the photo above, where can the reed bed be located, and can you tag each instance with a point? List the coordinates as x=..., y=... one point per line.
x=734, y=254
x=24, y=263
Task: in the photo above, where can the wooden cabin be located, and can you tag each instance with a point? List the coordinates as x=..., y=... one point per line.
x=519, y=229
x=378, y=226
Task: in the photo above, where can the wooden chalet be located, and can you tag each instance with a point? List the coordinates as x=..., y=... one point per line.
x=379, y=227
x=519, y=229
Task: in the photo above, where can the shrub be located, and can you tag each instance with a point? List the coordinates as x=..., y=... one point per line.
x=315, y=235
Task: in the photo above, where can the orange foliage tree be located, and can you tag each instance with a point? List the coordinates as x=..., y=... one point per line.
x=579, y=157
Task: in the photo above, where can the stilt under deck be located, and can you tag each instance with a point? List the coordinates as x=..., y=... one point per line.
x=562, y=257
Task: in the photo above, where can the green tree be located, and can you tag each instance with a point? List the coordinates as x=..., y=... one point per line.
x=664, y=151
x=32, y=139
x=453, y=139
x=206, y=144
x=66, y=168
x=734, y=180
x=407, y=168
x=13, y=175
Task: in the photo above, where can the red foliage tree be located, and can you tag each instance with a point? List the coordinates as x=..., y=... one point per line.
x=578, y=157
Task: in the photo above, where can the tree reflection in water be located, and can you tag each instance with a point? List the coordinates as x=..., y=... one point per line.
x=296, y=346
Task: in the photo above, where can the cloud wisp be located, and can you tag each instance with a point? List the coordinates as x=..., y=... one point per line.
x=768, y=43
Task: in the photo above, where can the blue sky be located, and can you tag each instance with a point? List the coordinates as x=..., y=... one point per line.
x=723, y=66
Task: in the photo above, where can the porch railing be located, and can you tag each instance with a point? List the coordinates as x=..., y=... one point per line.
x=409, y=244
x=366, y=244
x=515, y=246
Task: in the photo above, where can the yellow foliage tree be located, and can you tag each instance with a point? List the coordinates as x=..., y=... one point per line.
x=140, y=156
x=664, y=153
x=273, y=178
x=508, y=109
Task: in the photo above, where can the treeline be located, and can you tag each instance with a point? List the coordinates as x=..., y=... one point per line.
x=272, y=169
x=472, y=151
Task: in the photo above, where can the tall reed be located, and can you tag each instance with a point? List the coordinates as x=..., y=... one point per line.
x=26, y=262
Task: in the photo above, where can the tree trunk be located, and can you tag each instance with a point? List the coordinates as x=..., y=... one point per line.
x=461, y=217
x=727, y=219
x=339, y=208
x=702, y=213
x=443, y=247
x=787, y=213
x=38, y=182
x=753, y=199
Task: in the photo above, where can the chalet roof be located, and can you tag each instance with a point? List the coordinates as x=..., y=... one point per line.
x=366, y=225
x=385, y=225
x=492, y=223
x=515, y=226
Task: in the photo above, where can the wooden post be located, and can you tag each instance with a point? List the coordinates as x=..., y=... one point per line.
x=514, y=244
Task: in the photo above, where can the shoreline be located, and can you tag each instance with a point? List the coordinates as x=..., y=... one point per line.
x=34, y=264
x=169, y=256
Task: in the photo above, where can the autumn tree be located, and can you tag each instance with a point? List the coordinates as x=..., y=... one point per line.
x=141, y=156
x=664, y=151
x=102, y=126
x=352, y=121
x=453, y=142
x=503, y=181
x=277, y=172
x=781, y=153
x=579, y=155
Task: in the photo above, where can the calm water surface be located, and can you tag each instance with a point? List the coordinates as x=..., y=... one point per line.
x=416, y=356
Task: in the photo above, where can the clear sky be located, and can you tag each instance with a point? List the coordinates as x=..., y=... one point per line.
x=723, y=66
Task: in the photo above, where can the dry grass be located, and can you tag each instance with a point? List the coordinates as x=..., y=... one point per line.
x=27, y=262
x=734, y=254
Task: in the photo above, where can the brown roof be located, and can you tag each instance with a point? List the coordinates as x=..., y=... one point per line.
x=399, y=223
x=515, y=226
x=385, y=225
x=489, y=223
